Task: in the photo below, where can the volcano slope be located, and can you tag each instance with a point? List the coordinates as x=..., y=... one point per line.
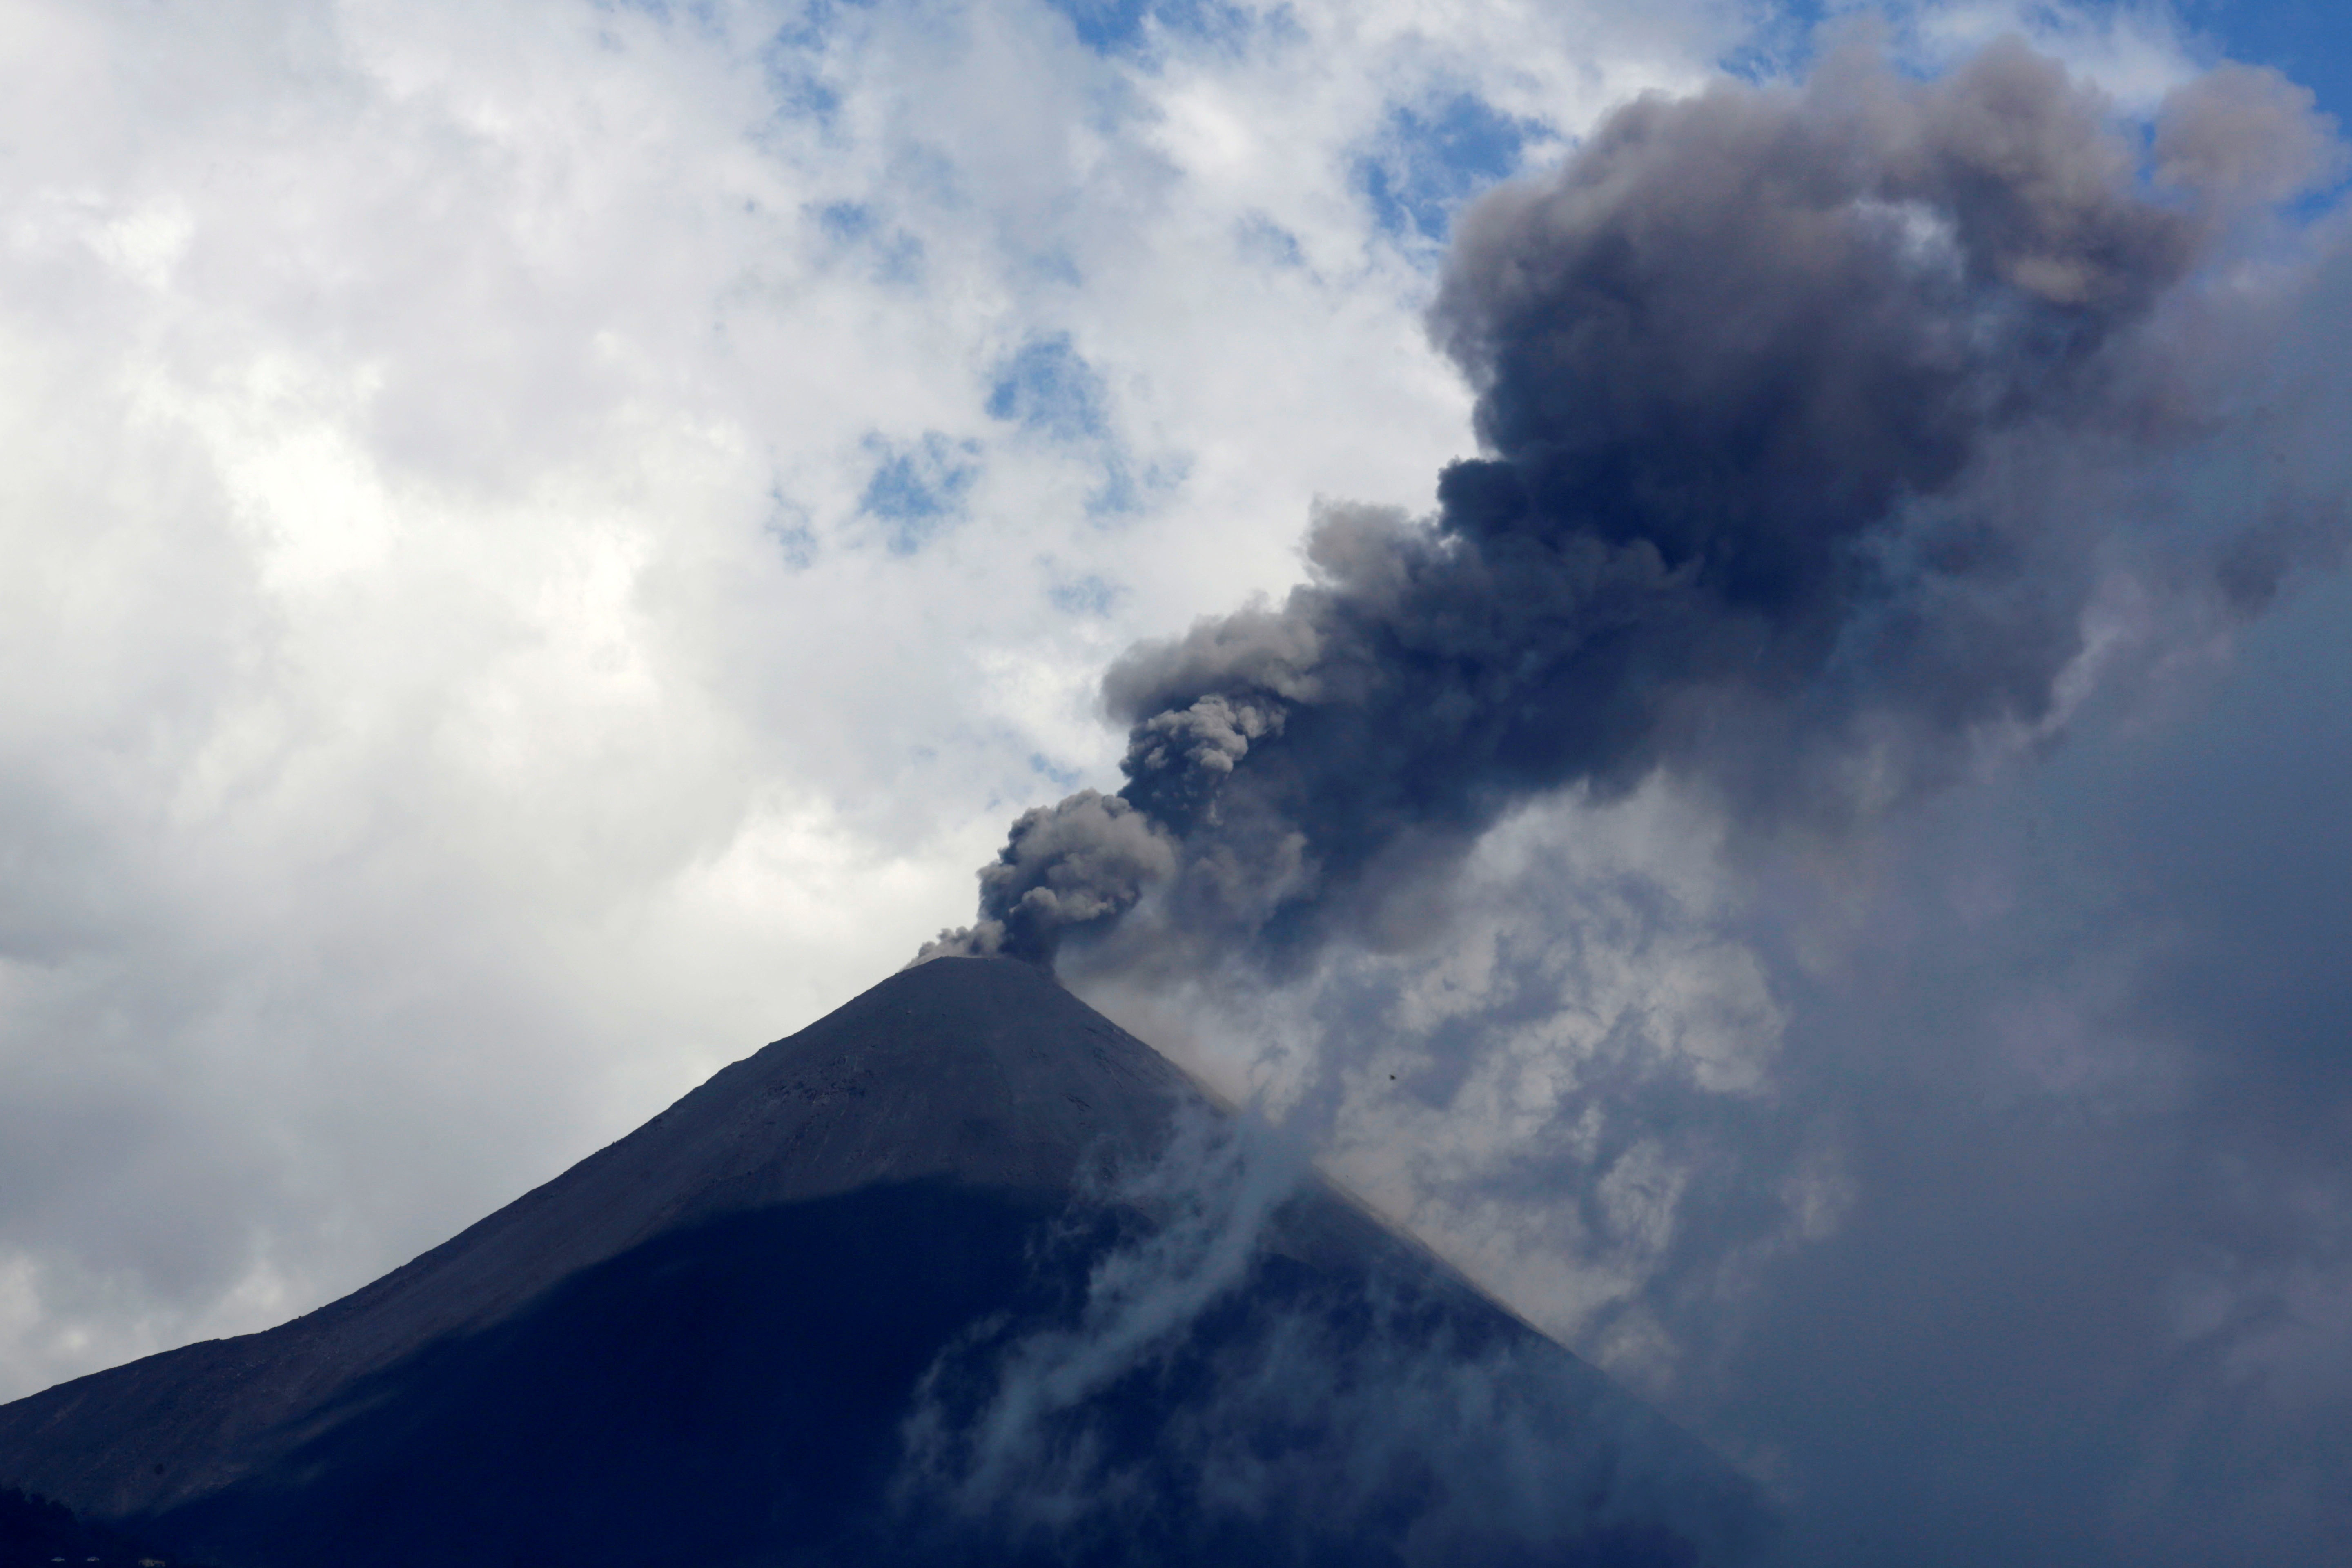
x=890, y=1291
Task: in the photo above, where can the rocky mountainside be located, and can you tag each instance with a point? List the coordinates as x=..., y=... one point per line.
x=878, y=1293
x=36, y=1532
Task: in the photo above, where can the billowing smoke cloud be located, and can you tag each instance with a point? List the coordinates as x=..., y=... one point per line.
x=1541, y=857
x=1806, y=410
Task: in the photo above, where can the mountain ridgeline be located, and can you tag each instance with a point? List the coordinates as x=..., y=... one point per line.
x=962, y=1274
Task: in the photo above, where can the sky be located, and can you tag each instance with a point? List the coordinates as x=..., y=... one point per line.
x=546, y=542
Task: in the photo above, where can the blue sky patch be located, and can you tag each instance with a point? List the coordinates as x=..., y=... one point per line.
x=1427, y=161
x=1049, y=387
x=2309, y=41
x=794, y=61
x=1259, y=238
x=896, y=255
x=918, y=487
x=1086, y=595
x=787, y=527
x=1106, y=27
x=1125, y=491
x=1065, y=779
x=846, y=223
x=1049, y=390
x=1122, y=26
x=1782, y=42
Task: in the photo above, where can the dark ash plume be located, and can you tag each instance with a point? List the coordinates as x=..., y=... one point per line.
x=1783, y=393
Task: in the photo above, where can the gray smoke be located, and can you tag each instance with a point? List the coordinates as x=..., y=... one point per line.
x=1802, y=410
x=1325, y=1424
x=1983, y=1194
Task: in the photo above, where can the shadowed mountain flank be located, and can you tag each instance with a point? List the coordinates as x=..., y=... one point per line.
x=845, y=1303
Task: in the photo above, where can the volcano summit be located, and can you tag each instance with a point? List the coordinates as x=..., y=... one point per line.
x=960, y=1274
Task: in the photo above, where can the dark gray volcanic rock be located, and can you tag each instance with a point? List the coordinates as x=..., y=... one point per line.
x=706, y=1344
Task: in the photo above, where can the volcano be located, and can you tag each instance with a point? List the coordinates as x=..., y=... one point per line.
x=933, y=1281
